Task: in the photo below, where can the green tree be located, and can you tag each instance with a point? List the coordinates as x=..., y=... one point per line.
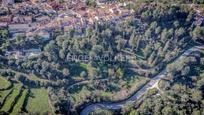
x=133, y=40
x=167, y=110
x=198, y=33
x=196, y=95
x=133, y=112
x=83, y=74
x=180, y=32
x=66, y=72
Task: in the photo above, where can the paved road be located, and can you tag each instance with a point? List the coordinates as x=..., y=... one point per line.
x=151, y=84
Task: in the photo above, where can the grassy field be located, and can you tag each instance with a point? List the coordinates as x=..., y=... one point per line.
x=76, y=69
x=4, y=83
x=18, y=106
x=3, y=94
x=38, y=101
x=86, y=66
x=13, y=99
x=6, y=107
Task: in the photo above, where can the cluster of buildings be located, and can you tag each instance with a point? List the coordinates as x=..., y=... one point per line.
x=41, y=17
x=21, y=19
x=77, y=15
x=24, y=18
x=33, y=17
x=29, y=53
x=81, y=16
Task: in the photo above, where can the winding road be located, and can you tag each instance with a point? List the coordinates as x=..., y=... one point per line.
x=153, y=83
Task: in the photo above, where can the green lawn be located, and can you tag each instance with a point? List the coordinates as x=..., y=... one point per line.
x=3, y=94
x=38, y=101
x=4, y=83
x=76, y=69
x=85, y=66
x=17, y=107
x=11, y=98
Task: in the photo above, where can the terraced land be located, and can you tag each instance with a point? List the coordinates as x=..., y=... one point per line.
x=19, y=105
x=4, y=94
x=12, y=98
x=4, y=83
x=16, y=98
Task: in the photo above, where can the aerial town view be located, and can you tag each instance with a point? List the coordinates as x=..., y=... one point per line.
x=101, y=57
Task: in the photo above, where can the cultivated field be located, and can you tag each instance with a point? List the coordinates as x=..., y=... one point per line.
x=15, y=98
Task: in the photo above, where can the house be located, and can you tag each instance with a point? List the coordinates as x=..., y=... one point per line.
x=34, y=52
x=42, y=19
x=14, y=54
x=3, y=25
x=37, y=1
x=44, y=35
x=67, y=28
x=199, y=20
x=101, y=13
x=101, y=2
x=18, y=55
x=22, y=19
x=7, y=2
x=125, y=13
x=7, y=19
x=31, y=53
x=80, y=6
x=114, y=10
x=81, y=13
x=18, y=28
x=56, y=5
x=68, y=18
x=41, y=34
